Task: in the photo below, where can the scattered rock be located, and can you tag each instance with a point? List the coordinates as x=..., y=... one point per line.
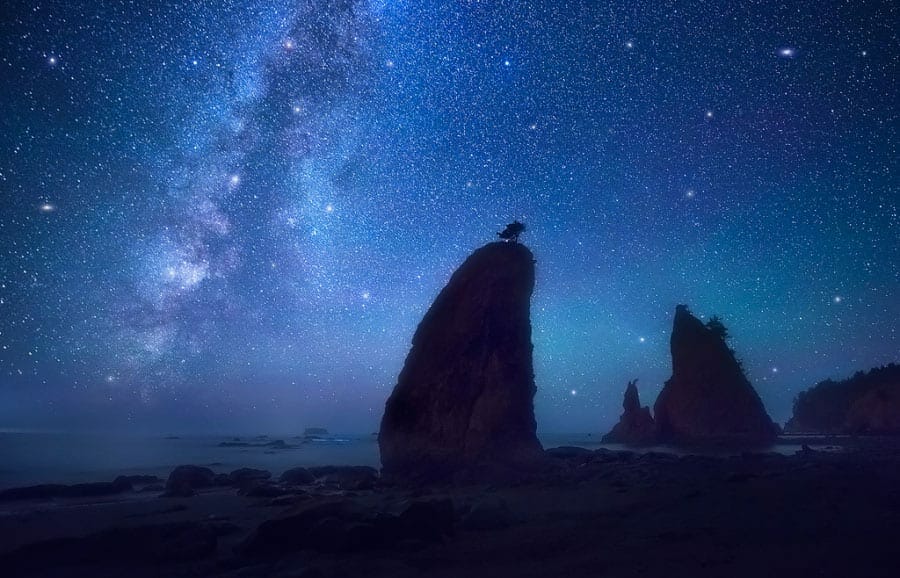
x=465, y=395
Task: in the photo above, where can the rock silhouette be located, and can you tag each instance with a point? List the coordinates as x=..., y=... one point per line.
x=464, y=399
x=867, y=403
x=636, y=426
x=708, y=398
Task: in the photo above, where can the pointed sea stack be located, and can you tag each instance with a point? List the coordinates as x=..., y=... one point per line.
x=636, y=426
x=708, y=399
x=464, y=399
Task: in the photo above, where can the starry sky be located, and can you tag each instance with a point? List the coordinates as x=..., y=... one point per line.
x=230, y=216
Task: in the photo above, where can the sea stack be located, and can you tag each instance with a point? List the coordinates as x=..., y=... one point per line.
x=464, y=399
x=636, y=426
x=708, y=399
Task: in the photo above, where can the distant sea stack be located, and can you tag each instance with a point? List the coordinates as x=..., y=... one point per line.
x=867, y=403
x=708, y=399
x=464, y=399
x=636, y=426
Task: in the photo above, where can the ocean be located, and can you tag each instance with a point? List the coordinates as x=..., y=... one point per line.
x=66, y=458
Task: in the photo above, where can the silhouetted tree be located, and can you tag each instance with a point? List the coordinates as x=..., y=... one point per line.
x=717, y=327
x=512, y=231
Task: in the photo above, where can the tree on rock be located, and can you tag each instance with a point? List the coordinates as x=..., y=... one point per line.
x=512, y=231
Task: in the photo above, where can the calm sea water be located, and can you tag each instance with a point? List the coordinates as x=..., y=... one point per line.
x=33, y=458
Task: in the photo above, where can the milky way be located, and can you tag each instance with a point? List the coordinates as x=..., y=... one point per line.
x=231, y=216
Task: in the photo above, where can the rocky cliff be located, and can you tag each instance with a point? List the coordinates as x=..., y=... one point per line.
x=464, y=399
x=708, y=399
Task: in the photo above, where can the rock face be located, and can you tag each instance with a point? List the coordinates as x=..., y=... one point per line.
x=636, y=426
x=464, y=398
x=708, y=399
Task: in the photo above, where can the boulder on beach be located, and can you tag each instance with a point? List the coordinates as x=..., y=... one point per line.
x=708, y=399
x=297, y=477
x=636, y=426
x=464, y=398
x=244, y=476
x=185, y=479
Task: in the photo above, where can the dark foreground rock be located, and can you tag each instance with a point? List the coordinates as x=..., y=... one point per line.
x=184, y=480
x=465, y=395
x=153, y=544
x=636, y=426
x=344, y=526
x=708, y=399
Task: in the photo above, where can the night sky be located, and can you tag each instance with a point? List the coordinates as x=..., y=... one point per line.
x=230, y=216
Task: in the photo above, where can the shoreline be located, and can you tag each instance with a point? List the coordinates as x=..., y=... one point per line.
x=584, y=513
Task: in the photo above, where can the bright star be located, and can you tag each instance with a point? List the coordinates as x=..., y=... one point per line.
x=786, y=52
x=365, y=295
x=641, y=339
x=837, y=299
x=573, y=392
x=709, y=114
x=629, y=44
x=690, y=193
x=52, y=61
x=47, y=208
x=329, y=208
x=506, y=63
x=235, y=180
x=288, y=44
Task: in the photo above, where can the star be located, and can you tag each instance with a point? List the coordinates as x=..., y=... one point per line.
x=47, y=208
x=52, y=61
x=709, y=114
x=629, y=44
x=837, y=299
x=690, y=193
x=573, y=392
x=642, y=339
x=329, y=208
x=786, y=52
x=234, y=180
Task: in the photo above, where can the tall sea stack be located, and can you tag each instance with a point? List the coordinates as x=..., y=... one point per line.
x=464, y=399
x=708, y=399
